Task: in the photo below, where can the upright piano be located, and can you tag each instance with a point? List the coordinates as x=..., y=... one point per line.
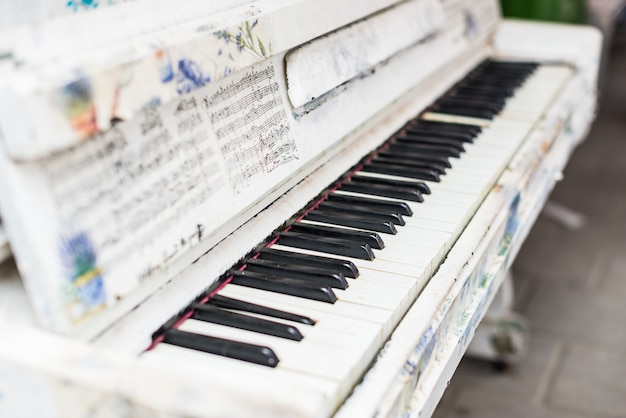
x=269, y=208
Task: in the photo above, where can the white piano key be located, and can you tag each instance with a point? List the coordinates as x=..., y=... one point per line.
x=378, y=289
x=377, y=294
x=331, y=359
x=330, y=329
x=366, y=289
x=341, y=311
x=444, y=117
x=452, y=198
x=376, y=264
x=306, y=393
x=337, y=317
x=404, y=245
x=344, y=317
x=315, y=310
x=531, y=100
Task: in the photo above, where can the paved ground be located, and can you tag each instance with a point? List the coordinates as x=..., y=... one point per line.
x=571, y=284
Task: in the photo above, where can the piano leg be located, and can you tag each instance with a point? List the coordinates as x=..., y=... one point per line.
x=564, y=216
x=502, y=336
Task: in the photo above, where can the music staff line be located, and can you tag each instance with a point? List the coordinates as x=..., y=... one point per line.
x=242, y=104
x=233, y=127
x=248, y=80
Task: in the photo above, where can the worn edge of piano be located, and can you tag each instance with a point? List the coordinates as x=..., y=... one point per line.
x=59, y=370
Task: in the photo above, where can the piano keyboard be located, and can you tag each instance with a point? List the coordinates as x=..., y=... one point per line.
x=310, y=309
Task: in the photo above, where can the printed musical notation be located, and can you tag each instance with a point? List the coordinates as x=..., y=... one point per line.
x=129, y=184
x=251, y=126
x=149, y=189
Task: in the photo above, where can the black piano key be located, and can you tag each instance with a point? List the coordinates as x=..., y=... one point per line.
x=494, y=106
x=485, y=91
x=503, y=76
x=420, y=186
x=367, y=237
x=402, y=171
x=407, y=161
x=501, y=71
x=464, y=137
x=293, y=271
x=326, y=245
x=441, y=151
x=353, y=221
x=233, y=349
x=530, y=65
x=507, y=91
x=345, y=267
x=479, y=100
x=215, y=315
x=436, y=125
x=415, y=156
x=496, y=63
x=496, y=79
x=376, y=204
x=484, y=99
x=478, y=95
x=293, y=287
x=383, y=215
x=383, y=190
x=489, y=83
x=243, y=306
x=430, y=140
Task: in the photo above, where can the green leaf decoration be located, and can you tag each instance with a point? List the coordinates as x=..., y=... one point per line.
x=249, y=32
x=262, y=47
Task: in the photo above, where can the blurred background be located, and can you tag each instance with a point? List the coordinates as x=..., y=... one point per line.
x=570, y=276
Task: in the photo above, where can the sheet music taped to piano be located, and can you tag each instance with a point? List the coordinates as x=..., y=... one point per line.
x=251, y=125
x=131, y=200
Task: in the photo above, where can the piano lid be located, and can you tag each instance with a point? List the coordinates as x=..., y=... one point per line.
x=78, y=86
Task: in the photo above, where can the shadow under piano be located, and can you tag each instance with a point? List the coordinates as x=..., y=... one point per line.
x=272, y=208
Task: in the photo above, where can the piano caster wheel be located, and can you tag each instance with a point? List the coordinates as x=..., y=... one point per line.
x=501, y=366
x=503, y=340
x=502, y=336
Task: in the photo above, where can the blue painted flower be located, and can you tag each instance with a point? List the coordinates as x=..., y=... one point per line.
x=239, y=41
x=85, y=4
x=222, y=34
x=190, y=76
x=78, y=254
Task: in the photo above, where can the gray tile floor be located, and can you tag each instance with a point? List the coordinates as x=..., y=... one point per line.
x=571, y=284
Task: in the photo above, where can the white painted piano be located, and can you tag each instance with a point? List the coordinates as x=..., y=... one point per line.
x=270, y=208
